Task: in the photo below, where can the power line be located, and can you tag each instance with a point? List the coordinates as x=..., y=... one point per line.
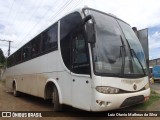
x=59, y=11
x=62, y=8
x=65, y=9
x=19, y=8
x=54, y=16
x=10, y=9
x=34, y=25
x=9, y=14
x=71, y=7
x=30, y=15
x=29, y=18
x=16, y=13
x=38, y=23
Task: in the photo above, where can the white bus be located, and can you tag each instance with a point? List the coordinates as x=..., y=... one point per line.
x=88, y=59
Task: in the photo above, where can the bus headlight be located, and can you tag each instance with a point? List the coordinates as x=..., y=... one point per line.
x=146, y=86
x=107, y=90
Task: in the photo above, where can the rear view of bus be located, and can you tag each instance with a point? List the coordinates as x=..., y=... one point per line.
x=119, y=66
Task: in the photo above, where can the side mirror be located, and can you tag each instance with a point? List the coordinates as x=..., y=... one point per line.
x=135, y=31
x=90, y=28
x=90, y=33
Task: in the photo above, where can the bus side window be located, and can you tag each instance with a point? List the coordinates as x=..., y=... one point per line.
x=45, y=38
x=68, y=24
x=80, y=60
x=50, y=38
x=19, y=56
x=26, y=52
x=52, y=33
x=35, y=49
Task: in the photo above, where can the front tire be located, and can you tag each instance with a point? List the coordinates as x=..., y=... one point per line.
x=55, y=100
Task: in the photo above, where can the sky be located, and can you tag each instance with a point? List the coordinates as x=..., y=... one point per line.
x=21, y=20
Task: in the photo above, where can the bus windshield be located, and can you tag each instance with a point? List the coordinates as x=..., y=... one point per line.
x=138, y=56
x=117, y=50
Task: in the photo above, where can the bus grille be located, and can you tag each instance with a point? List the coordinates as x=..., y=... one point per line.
x=132, y=101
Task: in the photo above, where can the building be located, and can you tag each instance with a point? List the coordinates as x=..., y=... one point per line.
x=154, y=62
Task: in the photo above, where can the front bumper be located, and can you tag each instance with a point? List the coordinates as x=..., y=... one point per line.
x=105, y=102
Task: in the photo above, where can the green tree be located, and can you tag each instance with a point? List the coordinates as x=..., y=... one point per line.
x=2, y=57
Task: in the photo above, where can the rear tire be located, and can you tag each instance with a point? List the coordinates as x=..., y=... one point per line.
x=55, y=100
x=15, y=92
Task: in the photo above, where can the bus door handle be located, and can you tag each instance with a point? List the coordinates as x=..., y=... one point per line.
x=73, y=80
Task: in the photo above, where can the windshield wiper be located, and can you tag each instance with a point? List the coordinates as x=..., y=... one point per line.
x=122, y=53
x=132, y=51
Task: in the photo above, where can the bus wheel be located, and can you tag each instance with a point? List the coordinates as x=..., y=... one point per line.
x=15, y=92
x=55, y=99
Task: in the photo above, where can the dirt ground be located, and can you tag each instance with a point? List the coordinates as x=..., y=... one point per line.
x=30, y=103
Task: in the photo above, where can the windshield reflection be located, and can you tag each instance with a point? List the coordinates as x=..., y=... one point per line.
x=138, y=56
x=111, y=52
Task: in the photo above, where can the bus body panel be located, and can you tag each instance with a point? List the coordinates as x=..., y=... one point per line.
x=114, y=101
x=120, y=83
x=64, y=81
x=33, y=71
x=124, y=83
x=43, y=68
x=81, y=92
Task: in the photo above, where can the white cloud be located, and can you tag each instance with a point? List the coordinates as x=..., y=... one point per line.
x=154, y=40
x=154, y=45
x=140, y=13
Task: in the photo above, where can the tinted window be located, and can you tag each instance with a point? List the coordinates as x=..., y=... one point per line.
x=26, y=53
x=67, y=26
x=18, y=56
x=69, y=23
x=41, y=44
x=50, y=38
x=79, y=49
x=35, y=46
x=80, y=61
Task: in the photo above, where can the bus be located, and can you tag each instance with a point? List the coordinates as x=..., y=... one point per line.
x=88, y=59
x=156, y=72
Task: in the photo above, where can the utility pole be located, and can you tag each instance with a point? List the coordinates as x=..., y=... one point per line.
x=9, y=47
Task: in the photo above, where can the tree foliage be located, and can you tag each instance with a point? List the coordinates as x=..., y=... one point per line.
x=2, y=57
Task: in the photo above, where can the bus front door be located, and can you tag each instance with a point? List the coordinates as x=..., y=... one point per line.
x=80, y=72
